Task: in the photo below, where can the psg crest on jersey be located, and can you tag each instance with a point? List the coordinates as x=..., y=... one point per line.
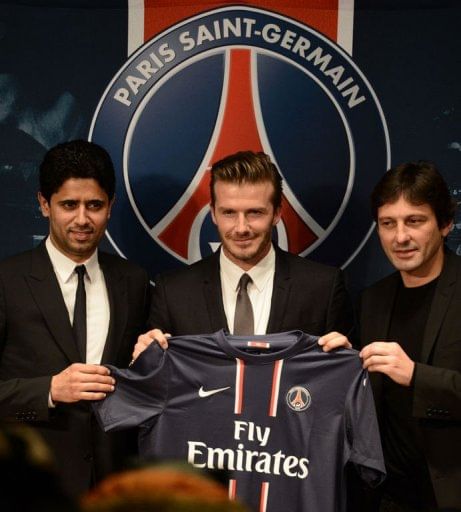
x=298, y=398
x=230, y=79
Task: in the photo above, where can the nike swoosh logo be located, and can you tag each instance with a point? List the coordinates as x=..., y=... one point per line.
x=203, y=394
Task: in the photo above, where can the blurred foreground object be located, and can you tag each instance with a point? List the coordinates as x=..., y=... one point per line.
x=29, y=479
x=165, y=488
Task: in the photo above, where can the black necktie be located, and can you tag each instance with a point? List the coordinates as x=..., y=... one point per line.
x=79, y=325
x=243, y=319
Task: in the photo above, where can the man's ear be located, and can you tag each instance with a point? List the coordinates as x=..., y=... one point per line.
x=446, y=230
x=277, y=216
x=110, y=207
x=44, y=205
x=213, y=217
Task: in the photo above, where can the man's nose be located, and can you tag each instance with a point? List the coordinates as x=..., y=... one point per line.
x=241, y=223
x=402, y=234
x=81, y=215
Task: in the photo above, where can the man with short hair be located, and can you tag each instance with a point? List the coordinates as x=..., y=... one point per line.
x=65, y=309
x=410, y=332
x=285, y=291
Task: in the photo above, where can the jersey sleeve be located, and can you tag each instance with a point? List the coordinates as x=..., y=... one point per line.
x=363, y=442
x=140, y=392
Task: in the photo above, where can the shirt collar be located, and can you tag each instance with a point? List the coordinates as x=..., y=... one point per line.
x=260, y=273
x=65, y=267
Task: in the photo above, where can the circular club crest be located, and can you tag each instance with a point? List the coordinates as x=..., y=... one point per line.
x=298, y=398
x=231, y=79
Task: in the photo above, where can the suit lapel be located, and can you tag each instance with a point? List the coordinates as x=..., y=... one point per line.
x=212, y=293
x=442, y=297
x=280, y=292
x=118, y=303
x=375, y=324
x=47, y=294
x=379, y=320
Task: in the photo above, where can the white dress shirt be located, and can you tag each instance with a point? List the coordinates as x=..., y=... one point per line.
x=97, y=300
x=259, y=291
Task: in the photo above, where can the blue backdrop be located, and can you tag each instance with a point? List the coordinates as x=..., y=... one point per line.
x=57, y=58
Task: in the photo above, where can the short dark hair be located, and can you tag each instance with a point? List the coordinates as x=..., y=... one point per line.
x=76, y=159
x=247, y=167
x=419, y=183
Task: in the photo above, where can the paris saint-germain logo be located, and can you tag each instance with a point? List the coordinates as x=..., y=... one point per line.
x=231, y=79
x=298, y=398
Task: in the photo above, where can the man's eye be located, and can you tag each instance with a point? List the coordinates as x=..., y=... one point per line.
x=68, y=205
x=94, y=205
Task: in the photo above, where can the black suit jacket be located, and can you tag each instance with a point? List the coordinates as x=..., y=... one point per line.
x=36, y=342
x=437, y=383
x=308, y=296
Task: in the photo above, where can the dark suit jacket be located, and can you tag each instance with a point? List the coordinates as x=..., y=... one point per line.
x=437, y=383
x=308, y=296
x=36, y=342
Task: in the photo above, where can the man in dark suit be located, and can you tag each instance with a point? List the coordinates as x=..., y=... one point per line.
x=284, y=291
x=411, y=332
x=57, y=328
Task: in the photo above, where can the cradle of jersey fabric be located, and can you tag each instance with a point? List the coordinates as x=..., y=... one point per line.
x=281, y=416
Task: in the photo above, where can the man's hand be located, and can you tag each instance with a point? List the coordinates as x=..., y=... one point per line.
x=334, y=340
x=144, y=340
x=388, y=358
x=81, y=382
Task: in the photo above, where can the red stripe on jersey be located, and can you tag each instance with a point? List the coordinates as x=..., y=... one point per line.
x=232, y=488
x=264, y=495
x=239, y=377
x=275, y=387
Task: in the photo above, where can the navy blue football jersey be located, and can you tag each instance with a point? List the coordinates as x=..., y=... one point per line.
x=275, y=411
